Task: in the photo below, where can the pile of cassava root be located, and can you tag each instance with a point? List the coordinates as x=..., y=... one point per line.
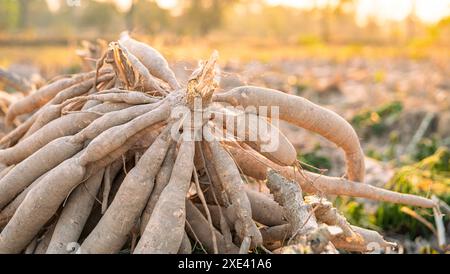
x=112, y=161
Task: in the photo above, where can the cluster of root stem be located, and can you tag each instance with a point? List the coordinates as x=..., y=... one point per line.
x=117, y=160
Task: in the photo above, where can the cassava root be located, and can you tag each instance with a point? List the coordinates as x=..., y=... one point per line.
x=123, y=159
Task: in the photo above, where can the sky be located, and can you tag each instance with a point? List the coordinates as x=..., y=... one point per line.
x=429, y=11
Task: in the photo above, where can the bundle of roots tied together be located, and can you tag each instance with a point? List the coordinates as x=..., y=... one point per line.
x=110, y=161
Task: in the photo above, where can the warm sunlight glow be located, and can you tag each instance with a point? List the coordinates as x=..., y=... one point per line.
x=53, y=5
x=167, y=4
x=429, y=11
x=124, y=5
x=432, y=11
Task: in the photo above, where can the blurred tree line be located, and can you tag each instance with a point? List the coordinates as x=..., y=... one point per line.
x=329, y=23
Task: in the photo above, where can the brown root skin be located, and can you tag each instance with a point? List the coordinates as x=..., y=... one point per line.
x=306, y=235
x=52, y=174
x=326, y=213
x=149, y=135
x=289, y=195
x=66, y=125
x=89, y=104
x=50, y=113
x=185, y=247
x=5, y=170
x=63, y=126
x=110, y=120
x=44, y=240
x=111, y=171
x=153, y=132
x=50, y=93
x=96, y=213
x=316, y=241
x=117, y=96
x=73, y=91
x=106, y=182
x=200, y=228
x=14, y=136
x=254, y=165
x=115, y=137
x=199, y=190
x=260, y=134
x=39, y=98
x=232, y=183
x=372, y=241
x=31, y=246
x=305, y=114
x=149, y=82
x=43, y=160
x=264, y=209
x=340, y=186
x=111, y=232
x=161, y=181
x=151, y=59
x=40, y=205
x=229, y=215
x=165, y=229
x=212, y=176
x=9, y=210
x=74, y=215
x=277, y=233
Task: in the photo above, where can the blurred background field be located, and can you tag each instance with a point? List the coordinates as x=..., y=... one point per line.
x=383, y=65
x=241, y=29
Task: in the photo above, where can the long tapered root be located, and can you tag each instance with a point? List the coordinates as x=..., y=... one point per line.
x=305, y=114
x=125, y=159
x=165, y=229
